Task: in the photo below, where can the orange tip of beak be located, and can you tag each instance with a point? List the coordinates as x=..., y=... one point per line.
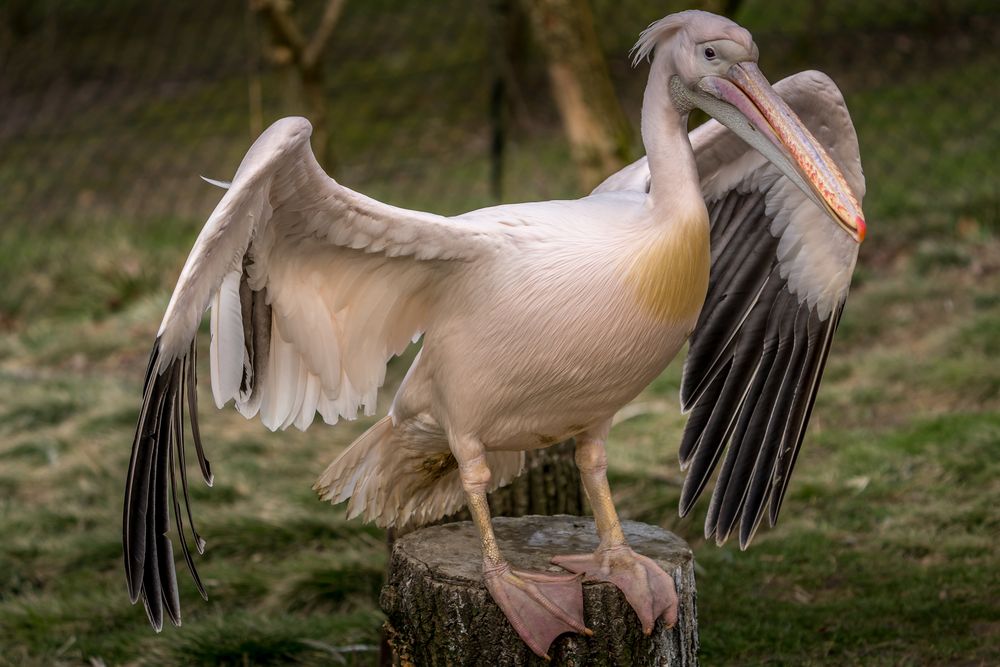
x=859, y=222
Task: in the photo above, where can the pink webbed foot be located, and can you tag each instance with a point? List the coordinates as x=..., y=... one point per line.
x=646, y=586
x=540, y=605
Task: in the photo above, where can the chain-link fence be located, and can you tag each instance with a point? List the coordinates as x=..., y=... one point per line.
x=112, y=109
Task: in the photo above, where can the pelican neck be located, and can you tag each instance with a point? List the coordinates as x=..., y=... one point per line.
x=674, y=181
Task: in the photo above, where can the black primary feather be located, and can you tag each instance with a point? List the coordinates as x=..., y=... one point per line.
x=157, y=479
x=742, y=365
x=151, y=487
x=751, y=375
x=737, y=282
x=805, y=398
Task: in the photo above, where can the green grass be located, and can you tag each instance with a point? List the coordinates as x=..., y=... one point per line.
x=300, y=579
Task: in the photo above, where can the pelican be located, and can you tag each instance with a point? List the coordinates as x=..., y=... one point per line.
x=539, y=322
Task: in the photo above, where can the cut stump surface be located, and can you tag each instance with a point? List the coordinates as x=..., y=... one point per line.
x=439, y=612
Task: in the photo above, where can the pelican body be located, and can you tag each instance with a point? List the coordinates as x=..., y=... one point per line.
x=539, y=322
x=523, y=352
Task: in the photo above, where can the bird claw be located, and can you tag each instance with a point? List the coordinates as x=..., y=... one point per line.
x=541, y=606
x=648, y=589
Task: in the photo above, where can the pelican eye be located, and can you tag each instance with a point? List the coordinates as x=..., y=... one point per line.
x=710, y=53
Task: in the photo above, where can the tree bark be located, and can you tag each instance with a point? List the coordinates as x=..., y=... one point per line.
x=550, y=485
x=439, y=612
x=600, y=136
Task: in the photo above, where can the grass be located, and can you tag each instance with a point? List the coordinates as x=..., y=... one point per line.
x=303, y=577
x=886, y=550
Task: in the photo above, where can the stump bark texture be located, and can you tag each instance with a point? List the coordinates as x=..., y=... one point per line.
x=550, y=484
x=439, y=612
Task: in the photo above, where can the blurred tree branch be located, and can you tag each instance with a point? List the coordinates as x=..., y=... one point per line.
x=305, y=55
x=600, y=136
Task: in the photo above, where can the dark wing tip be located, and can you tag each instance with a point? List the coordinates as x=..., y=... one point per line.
x=750, y=376
x=772, y=420
x=150, y=488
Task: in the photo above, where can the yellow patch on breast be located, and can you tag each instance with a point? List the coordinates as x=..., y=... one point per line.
x=670, y=272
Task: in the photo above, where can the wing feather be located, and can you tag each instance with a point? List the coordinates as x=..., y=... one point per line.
x=312, y=288
x=766, y=232
x=226, y=355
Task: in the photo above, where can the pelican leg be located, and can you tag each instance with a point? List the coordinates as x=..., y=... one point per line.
x=540, y=605
x=646, y=586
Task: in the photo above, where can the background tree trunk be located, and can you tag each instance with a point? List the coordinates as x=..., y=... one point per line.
x=722, y=7
x=303, y=56
x=600, y=136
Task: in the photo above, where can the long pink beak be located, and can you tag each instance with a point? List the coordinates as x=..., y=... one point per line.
x=744, y=87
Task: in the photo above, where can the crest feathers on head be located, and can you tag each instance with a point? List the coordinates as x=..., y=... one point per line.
x=695, y=24
x=657, y=32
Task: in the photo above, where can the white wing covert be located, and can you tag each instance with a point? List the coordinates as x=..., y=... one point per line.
x=313, y=287
x=781, y=269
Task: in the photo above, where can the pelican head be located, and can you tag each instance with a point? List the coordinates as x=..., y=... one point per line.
x=713, y=67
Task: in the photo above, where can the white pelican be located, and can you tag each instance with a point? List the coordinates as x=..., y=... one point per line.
x=539, y=322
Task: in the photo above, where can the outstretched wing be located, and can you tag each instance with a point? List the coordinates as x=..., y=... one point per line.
x=313, y=287
x=781, y=269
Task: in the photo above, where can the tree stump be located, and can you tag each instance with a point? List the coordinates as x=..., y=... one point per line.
x=550, y=484
x=439, y=612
